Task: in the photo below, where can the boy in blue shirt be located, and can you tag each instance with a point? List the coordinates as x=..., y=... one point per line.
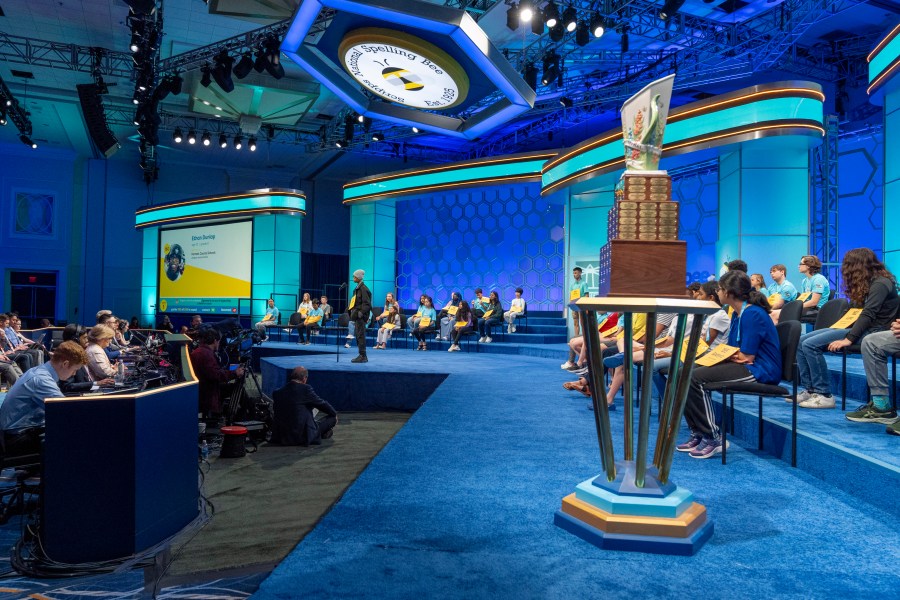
x=814, y=282
x=577, y=289
x=781, y=286
x=270, y=318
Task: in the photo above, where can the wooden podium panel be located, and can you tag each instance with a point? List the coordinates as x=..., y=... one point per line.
x=643, y=268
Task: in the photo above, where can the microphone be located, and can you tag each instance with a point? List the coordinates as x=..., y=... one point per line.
x=343, y=285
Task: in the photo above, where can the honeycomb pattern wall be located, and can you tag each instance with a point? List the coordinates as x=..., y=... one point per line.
x=698, y=193
x=861, y=192
x=499, y=237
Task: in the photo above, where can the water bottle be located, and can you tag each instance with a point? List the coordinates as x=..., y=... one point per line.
x=120, y=374
x=204, y=451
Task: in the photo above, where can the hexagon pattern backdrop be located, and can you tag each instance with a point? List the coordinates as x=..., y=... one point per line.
x=861, y=192
x=698, y=193
x=499, y=237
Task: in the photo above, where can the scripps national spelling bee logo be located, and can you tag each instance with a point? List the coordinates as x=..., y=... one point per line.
x=403, y=68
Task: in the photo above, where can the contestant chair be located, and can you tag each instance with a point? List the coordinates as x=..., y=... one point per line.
x=275, y=324
x=399, y=334
x=791, y=311
x=788, y=340
x=294, y=325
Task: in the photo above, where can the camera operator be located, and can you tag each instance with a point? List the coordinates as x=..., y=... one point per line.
x=194, y=329
x=210, y=374
x=294, y=424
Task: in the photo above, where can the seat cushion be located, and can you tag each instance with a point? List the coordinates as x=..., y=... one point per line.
x=753, y=389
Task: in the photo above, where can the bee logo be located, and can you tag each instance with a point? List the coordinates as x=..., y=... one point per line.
x=400, y=77
x=163, y=305
x=166, y=249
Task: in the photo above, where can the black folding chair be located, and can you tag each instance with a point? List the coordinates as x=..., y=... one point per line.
x=294, y=325
x=788, y=340
x=791, y=311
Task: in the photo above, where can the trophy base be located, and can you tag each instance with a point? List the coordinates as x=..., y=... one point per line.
x=655, y=269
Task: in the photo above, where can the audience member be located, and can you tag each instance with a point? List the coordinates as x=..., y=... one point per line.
x=9, y=370
x=692, y=290
x=14, y=350
x=98, y=362
x=736, y=265
x=134, y=323
x=193, y=329
x=81, y=381
x=293, y=422
x=166, y=325
x=516, y=310
x=758, y=282
x=45, y=323
x=492, y=316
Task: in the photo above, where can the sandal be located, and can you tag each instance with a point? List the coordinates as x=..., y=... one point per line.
x=571, y=385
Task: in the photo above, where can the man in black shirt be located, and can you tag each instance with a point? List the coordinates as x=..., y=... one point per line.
x=293, y=423
x=359, y=309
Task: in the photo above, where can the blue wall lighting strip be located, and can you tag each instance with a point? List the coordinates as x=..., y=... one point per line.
x=219, y=207
x=884, y=60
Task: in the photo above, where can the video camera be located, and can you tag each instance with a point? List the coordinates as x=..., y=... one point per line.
x=238, y=344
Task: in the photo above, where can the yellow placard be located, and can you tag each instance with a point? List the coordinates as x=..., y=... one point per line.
x=574, y=295
x=388, y=326
x=717, y=355
x=702, y=347
x=383, y=315
x=515, y=308
x=804, y=296
x=461, y=324
x=774, y=298
x=352, y=302
x=313, y=319
x=452, y=310
x=303, y=311
x=848, y=319
x=424, y=322
x=488, y=313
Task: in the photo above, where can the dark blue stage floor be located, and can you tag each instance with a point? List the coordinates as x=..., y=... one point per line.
x=460, y=503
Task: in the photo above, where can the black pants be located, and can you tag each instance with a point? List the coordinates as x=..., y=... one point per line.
x=458, y=333
x=325, y=424
x=422, y=333
x=23, y=441
x=359, y=327
x=699, y=411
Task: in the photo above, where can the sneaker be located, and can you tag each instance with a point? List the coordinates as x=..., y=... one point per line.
x=481, y=340
x=360, y=359
x=488, y=340
x=349, y=337
x=567, y=365
x=347, y=345
x=509, y=330
x=708, y=449
x=691, y=444
x=893, y=429
x=573, y=367
x=581, y=371
x=513, y=328
x=801, y=397
x=818, y=401
x=870, y=414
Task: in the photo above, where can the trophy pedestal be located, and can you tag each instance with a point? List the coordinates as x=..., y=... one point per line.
x=643, y=268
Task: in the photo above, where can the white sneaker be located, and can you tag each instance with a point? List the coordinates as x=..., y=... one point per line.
x=481, y=340
x=509, y=329
x=818, y=401
x=349, y=337
x=801, y=397
x=487, y=340
x=347, y=345
x=513, y=328
x=453, y=348
x=567, y=365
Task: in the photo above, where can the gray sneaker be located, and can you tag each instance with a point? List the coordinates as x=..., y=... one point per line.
x=870, y=414
x=818, y=401
x=801, y=397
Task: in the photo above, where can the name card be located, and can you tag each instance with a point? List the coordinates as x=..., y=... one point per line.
x=848, y=319
x=720, y=353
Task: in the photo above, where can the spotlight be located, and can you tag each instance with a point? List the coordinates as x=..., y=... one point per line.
x=136, y=99
x=244, y=66
x=530, y=75
x=537, y=24
x=192, y=137
x=582, y=35
x=252, y=144
x=360, y=119
x=28, y=141
x=238, y=142
x=273, y=57
x=175, y=83
x=623, y=41
x=557, y=32
x=259, y=65
x=177, y=135
x=415, y=129
x=377, y=137
x=566, y=102
x=551, y=68
x=207, y=78
x=526, y=12
x=341, y=143
x=3, y=120
x=205, y=138
x=597, y=26
x=512, y=17
x=570, y=19
x=223, y=141
x=670, y=7
x=551, y=14
x=221, y=72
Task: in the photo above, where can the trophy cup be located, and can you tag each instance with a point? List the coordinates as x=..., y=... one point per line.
x=643, y=255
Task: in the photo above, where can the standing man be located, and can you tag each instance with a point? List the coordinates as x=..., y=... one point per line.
x=359, y=309
x=293, y=421
x=209, y=374
x=578, y=289
x=271, y=318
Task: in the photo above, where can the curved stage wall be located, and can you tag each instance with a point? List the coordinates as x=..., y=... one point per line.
x=735, y=159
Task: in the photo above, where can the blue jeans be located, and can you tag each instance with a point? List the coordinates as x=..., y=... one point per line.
x=813, y=369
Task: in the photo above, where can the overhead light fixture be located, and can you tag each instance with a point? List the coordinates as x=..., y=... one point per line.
x=415, y=129
x=221, y=72
x=136, y=99
x=512, y=17
x=192, y=137
x=135, y=42
x=530, y=75
x=175, y=83
x=238, y=142
x=272, y=52
x=551, y=14
x=206, y=79
x=3, y=120
x=566, y=102
x=177, y=135
x=252, y=144
x=205, y=138
x=28, y=141
x=557, y=32
x=341, y=143
x=259, y=65
x=570, y=19
x=623, y=41
x=360, y=118
x=377, y=137
x=598, y=26
x=223, y=140
x=582, y=35
x=537, y=24
x=244, y=66
x=551, y=68
x=670, y=7
x=526, y=12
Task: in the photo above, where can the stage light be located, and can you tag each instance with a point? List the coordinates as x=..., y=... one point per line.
x=582, y=35
x=137, y=117
x=192, y=137
x=244, y=66
x=175, y=83
x=537, y=24
x=238, y=142
x=272, y=52
x=135, y=41
x=3, y=120
x=28, y=141
x=557, y=32
x=512, y=17
x=551, y=14
x=206, y=79
x=597, y=26
x=252, y=144
x=205, y=138
x=570, y=19
x=360, y=118
x=341, y=143
x=223, y=140
x=259, y=65
x=566, y=102
x=530, y=75
x=623, y=41
x=377, y=137
x=526, y=12
x=551, y=68
x=221, y=72
x=177, y=135
x=670, y=8
x=415, y=129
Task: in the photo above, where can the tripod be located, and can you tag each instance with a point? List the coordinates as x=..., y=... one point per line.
x=241, y=403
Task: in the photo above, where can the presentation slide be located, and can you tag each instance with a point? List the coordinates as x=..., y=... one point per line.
x=205, y=269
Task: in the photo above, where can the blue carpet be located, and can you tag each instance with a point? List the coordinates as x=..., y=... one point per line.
x=460, y=504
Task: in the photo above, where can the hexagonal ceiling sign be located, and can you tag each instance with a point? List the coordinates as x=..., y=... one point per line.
x=410, y=63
